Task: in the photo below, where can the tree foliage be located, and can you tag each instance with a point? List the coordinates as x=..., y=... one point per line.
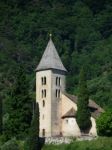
x=11, y=144
x=34, y=131
x=104, y=124
x=82, y=34
x=20, y=114
x=100, y=90
x=83, y=112
x=1, y=124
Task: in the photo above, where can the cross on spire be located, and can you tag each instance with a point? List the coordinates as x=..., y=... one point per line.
x=50, y=33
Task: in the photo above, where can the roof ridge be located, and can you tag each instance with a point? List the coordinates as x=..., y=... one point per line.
x=94, y=108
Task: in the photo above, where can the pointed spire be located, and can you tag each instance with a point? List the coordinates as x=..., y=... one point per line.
x=50, y=59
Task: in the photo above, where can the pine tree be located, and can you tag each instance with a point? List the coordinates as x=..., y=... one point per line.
x=34, y=131
x=0, y=114
x=83, y=112
x=20, y=115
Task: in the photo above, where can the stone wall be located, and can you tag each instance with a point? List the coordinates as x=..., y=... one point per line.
x=56, y=102
x=66, y=140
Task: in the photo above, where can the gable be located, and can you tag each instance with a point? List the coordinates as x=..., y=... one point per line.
x=72, y=100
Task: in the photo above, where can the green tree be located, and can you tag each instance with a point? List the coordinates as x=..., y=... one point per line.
x=34, y=131
x=0, y=114
x=104, y=124
x=83, y=112
x=11, y=144
x=20, y=115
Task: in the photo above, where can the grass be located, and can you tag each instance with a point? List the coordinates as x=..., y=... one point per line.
x=54, y=147
x=101, y=143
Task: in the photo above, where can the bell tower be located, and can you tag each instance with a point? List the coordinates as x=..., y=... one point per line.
x=50, y=83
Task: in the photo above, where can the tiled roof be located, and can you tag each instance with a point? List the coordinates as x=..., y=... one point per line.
x=70, y=113
x=95, y=109
x=50, y=59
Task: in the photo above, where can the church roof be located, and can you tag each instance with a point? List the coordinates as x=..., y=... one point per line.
x=50, y=59
x=94, y=108
x=70, y=113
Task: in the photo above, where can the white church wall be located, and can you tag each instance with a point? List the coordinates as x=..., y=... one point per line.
x=70, y=127
x=67, y=129
x=67, y=104
x=93, y=130
x=45, y=112
x=56, y=102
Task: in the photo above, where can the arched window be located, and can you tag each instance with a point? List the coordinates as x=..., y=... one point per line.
x=56, y=80
x=58, y=93
x=59, y=81
x=44, y=93
x=43, y=103
x=43, y=132
x=44, y=80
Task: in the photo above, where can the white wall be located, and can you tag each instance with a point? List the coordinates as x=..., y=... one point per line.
x=72, y=128
x=46, y=111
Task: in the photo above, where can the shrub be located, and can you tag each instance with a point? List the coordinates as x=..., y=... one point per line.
x=25, y=146
x=2, y=138
x=104, y=124
x=11, y=145
x=74, y=139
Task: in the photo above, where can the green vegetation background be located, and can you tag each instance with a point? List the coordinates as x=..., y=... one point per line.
x=81, y=32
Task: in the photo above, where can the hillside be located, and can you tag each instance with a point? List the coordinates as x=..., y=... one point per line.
x=81, y=32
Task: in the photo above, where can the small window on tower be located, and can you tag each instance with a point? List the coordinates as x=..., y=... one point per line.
x=43, y=132
x=58, y=93
x=44, y=93
x=59, y=81
x=43, y=103
x=56, y=80
x=44, y=80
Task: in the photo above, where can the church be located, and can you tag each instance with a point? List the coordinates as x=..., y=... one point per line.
x=57, y=108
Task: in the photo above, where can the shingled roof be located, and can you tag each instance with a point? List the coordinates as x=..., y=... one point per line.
x=50, y=59
x=94, y=108
x=70, y=113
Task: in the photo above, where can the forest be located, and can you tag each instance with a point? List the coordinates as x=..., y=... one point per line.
x=81, y=32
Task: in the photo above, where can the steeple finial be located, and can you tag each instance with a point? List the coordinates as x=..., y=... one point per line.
x=50, y=33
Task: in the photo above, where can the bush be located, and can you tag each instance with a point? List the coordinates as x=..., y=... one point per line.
x=25, y=146
x=2, y=138
x=11, y=145
x=104, y=124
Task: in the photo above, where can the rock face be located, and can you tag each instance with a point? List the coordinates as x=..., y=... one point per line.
x=66, y=140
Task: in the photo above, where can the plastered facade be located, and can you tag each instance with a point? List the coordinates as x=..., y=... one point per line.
x=46, y=111
x=69, y=125
x=50, y=119
x=56, y=103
